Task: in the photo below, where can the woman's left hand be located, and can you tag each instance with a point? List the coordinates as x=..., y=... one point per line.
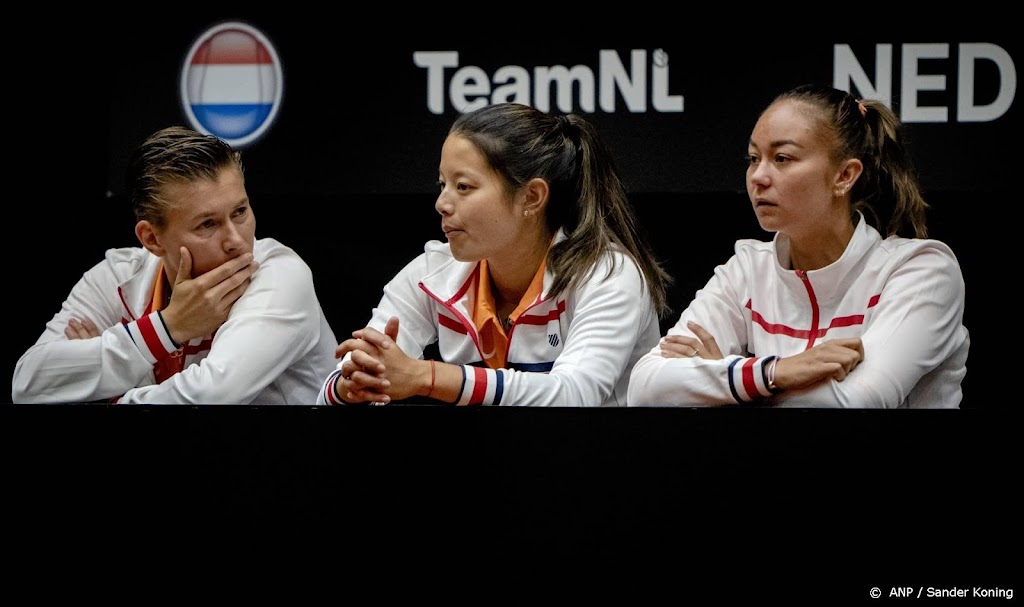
x=682, y=346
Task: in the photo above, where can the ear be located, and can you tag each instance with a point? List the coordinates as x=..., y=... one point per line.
x=535, y=196
x=848, y=174
x=149, y=238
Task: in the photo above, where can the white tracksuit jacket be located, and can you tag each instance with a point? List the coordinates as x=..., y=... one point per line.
x=903, y=297
x=275, y=347
x=575, y=349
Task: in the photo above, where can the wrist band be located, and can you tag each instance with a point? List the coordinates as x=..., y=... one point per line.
x=160, y=315
x=771, y=374
x=334, y=387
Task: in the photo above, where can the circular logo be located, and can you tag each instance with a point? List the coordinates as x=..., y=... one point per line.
x=231, y=83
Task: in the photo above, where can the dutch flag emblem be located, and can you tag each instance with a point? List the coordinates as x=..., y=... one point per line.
x=232, y=83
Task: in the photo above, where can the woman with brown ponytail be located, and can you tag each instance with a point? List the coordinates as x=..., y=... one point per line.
x=830, y=313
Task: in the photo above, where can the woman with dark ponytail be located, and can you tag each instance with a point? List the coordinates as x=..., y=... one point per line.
x=830, y=313
x=545, y=293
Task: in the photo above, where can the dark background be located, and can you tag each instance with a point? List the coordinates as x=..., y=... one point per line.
x=346, y=177
x=346, y=174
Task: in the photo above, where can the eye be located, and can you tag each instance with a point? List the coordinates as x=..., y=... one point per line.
x=781, y=158
x=440, y=184
x=462, y=187
x=240, y=211
x=752, y=159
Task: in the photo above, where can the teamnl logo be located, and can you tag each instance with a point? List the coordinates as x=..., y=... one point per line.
x=471, y=88
x=232, y=83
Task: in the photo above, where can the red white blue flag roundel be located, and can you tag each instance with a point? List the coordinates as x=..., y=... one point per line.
x=231, y=83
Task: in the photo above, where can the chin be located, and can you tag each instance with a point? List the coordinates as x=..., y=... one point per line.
x=461, y=254
x=766, y=220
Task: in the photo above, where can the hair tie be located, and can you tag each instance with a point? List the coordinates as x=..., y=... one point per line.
x=569, y=131
x=863, y=110
x=563, y=123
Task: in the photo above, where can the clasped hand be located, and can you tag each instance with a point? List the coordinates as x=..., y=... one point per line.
x=377, y=370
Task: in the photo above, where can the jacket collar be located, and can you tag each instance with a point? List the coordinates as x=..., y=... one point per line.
x=831, y=281
x=451, y=281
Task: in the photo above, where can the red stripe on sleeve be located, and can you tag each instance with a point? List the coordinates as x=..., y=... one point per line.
x=479, y=386
x=748, y=378
x=148, y=332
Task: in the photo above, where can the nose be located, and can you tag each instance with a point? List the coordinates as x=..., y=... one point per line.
x=757, y=174
x=443, y=205
x=757, y=177
x=233, y=238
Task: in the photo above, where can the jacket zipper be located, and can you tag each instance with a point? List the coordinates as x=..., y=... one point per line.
x=815, y=313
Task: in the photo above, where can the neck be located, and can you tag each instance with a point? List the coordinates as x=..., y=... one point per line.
x=511, y=276
x=821, y=249
x=168, y=287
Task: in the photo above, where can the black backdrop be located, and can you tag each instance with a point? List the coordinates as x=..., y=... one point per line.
x=346, y=175
x=346, y=172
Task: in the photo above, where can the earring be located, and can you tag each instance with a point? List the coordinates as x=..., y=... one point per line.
x=526, y=213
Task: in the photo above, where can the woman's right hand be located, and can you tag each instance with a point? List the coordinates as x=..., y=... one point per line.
x=833, y=359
